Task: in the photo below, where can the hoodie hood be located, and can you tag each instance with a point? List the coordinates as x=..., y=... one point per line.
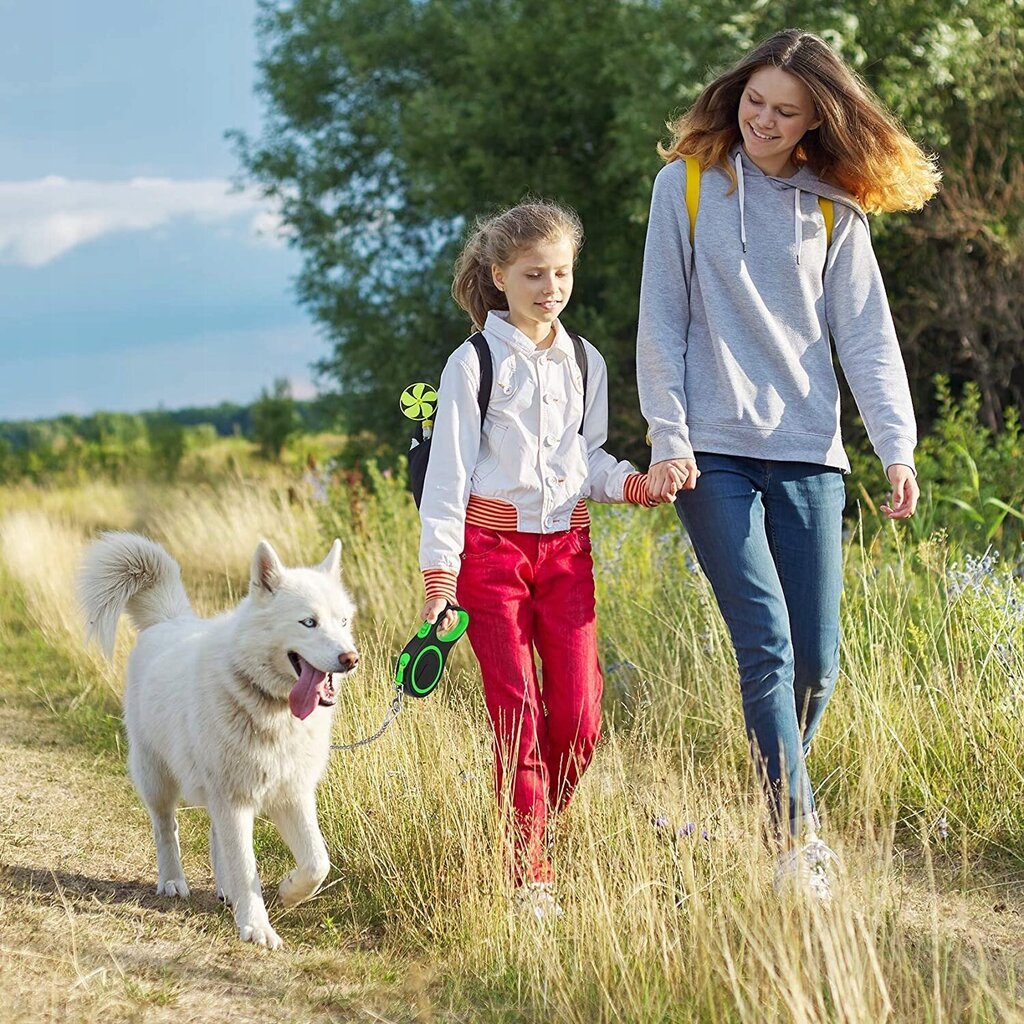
x=804, y=180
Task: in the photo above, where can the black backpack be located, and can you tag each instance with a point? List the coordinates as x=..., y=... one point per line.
x=419, y=450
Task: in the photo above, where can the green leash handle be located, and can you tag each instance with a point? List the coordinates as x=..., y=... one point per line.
x=421, y=663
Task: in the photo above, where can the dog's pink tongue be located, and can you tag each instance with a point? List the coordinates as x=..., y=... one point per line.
x=305, y=693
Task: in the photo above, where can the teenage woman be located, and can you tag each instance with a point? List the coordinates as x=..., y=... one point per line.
x=790, y=151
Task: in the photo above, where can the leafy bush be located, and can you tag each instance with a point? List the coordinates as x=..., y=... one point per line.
x=971, y=477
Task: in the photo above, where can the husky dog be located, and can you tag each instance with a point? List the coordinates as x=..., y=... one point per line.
x=232, y=713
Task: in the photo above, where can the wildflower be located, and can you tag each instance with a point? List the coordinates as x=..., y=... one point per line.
x=977, y=575
x=686, y=830
x=660, y=822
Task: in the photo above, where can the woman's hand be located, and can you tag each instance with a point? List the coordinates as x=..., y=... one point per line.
x=433, y=608
x=670, y=475
x=905, y=492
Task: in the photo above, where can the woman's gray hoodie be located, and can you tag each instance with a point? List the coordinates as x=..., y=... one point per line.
x=733, y=352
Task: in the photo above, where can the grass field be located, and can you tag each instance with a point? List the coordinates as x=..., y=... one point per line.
x=919, y=765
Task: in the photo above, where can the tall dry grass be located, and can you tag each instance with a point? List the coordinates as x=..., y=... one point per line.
x=919, y=766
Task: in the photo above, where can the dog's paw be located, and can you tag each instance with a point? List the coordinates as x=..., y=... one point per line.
x=173, y=887
x=296, y=887
x=260, y=935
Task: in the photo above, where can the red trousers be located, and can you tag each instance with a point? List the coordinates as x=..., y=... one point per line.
x=527, y=591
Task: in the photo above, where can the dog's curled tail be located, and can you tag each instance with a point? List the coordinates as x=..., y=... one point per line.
x=125, y=571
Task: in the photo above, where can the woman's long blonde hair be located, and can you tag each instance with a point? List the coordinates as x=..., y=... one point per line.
x=499, y=239
x=859, y=145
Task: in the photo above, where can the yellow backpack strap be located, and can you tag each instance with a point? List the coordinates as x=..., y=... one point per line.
x=828, y=211
x=692, y=192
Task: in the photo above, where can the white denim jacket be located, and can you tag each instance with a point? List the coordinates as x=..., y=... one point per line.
x=530, y=452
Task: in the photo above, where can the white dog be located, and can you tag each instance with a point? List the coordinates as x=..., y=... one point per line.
x=232, y=713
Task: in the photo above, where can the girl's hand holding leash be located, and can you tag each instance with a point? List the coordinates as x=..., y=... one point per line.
x=433, y=608
x=905, y=492
x=667, y=477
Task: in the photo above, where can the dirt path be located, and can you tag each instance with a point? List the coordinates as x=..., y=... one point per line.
x=84, y=938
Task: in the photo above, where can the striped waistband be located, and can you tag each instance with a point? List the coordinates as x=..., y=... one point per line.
x=495, y=514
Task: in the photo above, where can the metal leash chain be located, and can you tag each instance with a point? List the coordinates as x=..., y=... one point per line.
x=393, y=713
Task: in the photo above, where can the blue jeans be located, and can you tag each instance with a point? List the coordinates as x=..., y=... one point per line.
x=768, y=536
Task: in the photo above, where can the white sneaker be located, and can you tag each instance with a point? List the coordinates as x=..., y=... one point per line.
x=536, y=900
x=804, y=870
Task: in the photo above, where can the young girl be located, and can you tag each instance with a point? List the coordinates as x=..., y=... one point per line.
x=737, y=384
x=505, y=528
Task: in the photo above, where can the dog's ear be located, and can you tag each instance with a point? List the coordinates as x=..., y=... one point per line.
x=266, y=568
x=331, y=565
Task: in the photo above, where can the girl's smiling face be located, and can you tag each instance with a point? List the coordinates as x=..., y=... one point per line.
x=537, y=285
x=776, y=111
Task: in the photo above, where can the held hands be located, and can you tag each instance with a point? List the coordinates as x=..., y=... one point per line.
x=667, y=477
x=905, y=492
x=433, y=608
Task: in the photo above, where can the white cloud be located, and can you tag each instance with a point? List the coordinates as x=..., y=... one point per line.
x=43, y=219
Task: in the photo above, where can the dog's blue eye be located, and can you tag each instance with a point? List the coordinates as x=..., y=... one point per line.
x=309, y=623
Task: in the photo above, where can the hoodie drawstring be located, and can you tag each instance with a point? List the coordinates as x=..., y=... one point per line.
x=798, y=235
x=739, y=184
x=797, y=224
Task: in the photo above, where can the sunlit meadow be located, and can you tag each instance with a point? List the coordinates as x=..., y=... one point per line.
x=663, y=872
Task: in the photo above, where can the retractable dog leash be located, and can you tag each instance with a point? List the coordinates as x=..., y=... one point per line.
x=422, y=660
x=421, y=664
x=419, y=667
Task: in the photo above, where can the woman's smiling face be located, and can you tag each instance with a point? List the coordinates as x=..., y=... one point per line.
x=776, y=111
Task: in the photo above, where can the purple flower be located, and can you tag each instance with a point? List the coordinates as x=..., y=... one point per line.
x=660, y=822
x=686, y=830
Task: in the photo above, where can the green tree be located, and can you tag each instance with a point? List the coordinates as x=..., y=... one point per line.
x=166, y=443
x=274, y=419
x=392, y=123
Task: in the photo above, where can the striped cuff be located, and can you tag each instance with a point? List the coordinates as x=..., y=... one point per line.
x=634, y=490
x=439, y=583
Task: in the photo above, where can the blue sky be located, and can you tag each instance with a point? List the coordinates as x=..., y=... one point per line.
x=130, y=276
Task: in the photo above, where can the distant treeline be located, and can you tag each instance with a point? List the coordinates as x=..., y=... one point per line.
x=227, y=419
x=115, y=444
